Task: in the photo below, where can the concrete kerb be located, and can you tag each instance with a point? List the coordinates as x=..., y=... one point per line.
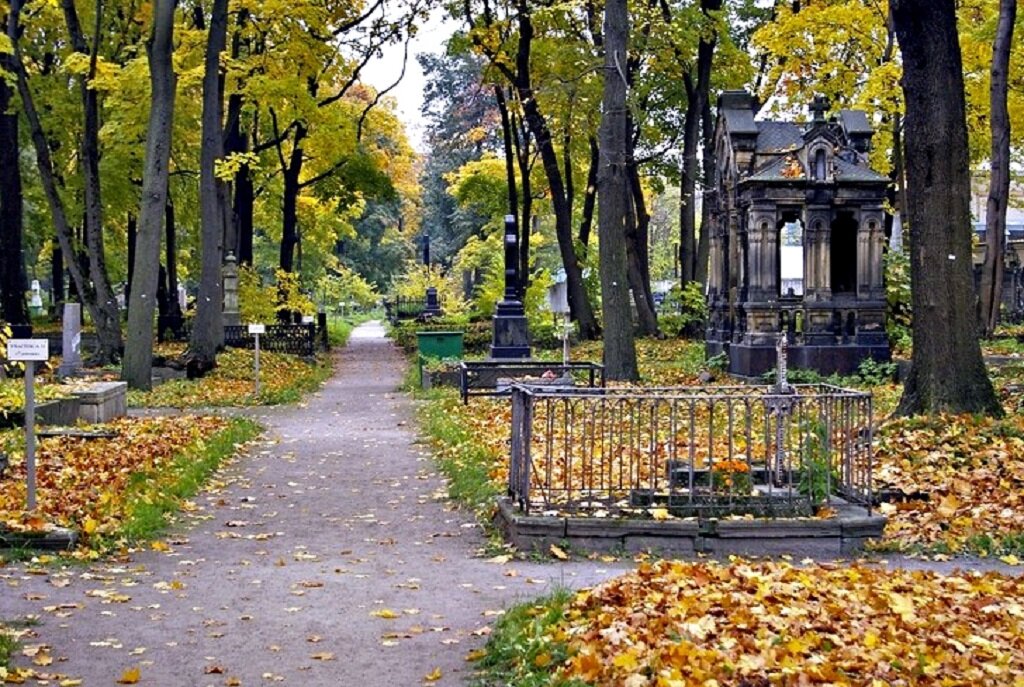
x=842, y=535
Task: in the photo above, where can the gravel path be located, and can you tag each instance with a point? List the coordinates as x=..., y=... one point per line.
x=277, y=574
x=327, y=556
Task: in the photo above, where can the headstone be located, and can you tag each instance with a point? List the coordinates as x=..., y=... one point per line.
x=182, y=297
x=71, y=363
x=36, y=302
x=511, y=335
x=232, y=316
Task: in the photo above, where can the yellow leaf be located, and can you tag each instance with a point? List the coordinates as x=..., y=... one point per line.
x=902, y=606
x=948, y=506
x=160, y=546
x=559, y=553
x=660, y=513
x=386, y=613
x=89, y=526
x=70, y=682
x=130, y=676
x=542, y=660
x=476, y=654
x=433, y=676
x=325, y=656
x=1010, y=559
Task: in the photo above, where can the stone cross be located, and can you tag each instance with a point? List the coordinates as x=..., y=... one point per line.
x=818, y=108
x=71, y=357
x=781, y=366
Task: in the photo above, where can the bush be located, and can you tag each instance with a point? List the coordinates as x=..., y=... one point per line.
x=684, y=311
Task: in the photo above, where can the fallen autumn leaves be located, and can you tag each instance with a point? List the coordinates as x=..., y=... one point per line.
x=101, y=486
x=676, y=624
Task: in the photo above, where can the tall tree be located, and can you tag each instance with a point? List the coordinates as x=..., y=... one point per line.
x=12, y=269
x=947, y=372
x=698, y=88
x=48, y=176
x=999, y=182
x=208, y=327
x=108, y=326
x=613, y=197
x=138, y=358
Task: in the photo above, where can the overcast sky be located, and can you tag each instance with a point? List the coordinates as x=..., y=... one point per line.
x=382, y=72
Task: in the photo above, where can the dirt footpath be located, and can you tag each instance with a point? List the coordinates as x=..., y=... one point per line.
x=328, y=556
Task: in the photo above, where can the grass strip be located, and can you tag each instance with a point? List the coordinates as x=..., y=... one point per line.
x=521, y=651
x=154, y=497
x=461, y=457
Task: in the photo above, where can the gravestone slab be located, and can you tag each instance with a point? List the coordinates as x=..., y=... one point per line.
x=103, y=401
x=71, y=341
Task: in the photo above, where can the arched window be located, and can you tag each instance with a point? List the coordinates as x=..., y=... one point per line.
x=820, y=165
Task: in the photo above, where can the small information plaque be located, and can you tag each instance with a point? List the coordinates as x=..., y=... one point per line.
x=257, y=329
x=26, y=350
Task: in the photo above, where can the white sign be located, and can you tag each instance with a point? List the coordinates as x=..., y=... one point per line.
x=257, y=329
x=307, y=319
x=28, y=349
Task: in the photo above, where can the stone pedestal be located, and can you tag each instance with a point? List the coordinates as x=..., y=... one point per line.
x=103, y=401
x=71, y=352
x=432, y=306
x=511, y=334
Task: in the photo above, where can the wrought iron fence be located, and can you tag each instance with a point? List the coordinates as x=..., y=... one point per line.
x=297, y=339
x=705, y=451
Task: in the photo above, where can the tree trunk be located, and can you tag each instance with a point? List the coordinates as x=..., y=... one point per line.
x=133, y=234
x=171, y=251
x=590, y=194
x=138, y=359
x=697, y=90
x=613, y=199
x=638, y=222
x=108, y=326
x=700, y=272
x=999, y=183
x=208, y=325
x=242, y=210
x=947, y=373
x=13, y=284
x=579, y=304
x=47, y=177
x=57, y=279
x=290, y=202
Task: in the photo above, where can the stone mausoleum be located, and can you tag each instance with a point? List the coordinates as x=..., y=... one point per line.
x=797, y=235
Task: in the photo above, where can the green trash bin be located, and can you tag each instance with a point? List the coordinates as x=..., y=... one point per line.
x=440, y=345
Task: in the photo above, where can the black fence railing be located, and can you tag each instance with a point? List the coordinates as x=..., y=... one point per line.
x=486, y=377
x=710, y=451
x=399, y=308
x=297, y=339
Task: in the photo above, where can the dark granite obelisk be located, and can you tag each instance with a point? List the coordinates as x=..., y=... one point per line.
x=511, y=335
x=432, y=307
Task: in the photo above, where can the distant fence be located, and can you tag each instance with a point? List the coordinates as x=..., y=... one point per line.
x=297, y=339
x=694, y=451
x=397, y=309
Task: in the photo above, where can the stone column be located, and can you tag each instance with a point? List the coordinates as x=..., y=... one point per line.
x=232, y=316
x=875, y=221
x=71, y=357
x=817, y=286
x=863, y=257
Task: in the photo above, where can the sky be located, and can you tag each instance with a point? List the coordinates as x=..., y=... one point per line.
x=383, y=71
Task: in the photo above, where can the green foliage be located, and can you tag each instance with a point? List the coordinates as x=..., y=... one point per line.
x=872, y=372
x=259, y=303
x=521, y=651
x=684, y=311
x=819, y=478
x=8, y=646
x=341, y=284
x=897, y=295
x=413, y=284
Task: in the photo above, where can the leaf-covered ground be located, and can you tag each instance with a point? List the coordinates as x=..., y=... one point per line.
x=283, y=379
x=962, y=483
x=683, y=624
x=957, y=481
x=95, y=484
